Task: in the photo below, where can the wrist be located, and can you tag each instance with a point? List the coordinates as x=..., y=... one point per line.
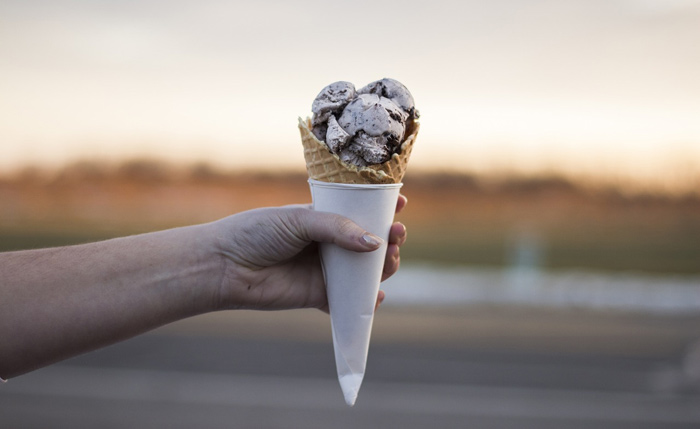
x=237, y=276
x=208, y=265
x=188, y=269
x=227, y=279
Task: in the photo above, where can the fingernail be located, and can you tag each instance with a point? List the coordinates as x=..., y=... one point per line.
x=371, y=240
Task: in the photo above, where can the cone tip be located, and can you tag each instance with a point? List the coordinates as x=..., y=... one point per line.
x=351, y=386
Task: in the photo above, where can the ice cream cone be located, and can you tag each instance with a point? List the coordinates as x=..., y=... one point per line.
x=352, y=278
x=324, y=166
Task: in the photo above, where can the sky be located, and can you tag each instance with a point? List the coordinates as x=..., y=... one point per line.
x=598, y=89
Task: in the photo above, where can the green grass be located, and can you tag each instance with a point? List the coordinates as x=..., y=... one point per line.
x=645, y=252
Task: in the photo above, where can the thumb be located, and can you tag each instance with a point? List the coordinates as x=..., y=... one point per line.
x=333, y=228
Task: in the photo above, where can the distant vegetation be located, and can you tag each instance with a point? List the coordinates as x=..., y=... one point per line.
x=452, y=218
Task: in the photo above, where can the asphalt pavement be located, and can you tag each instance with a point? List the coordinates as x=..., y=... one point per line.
x=194, y=379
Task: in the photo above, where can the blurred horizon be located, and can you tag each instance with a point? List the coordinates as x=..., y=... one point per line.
x=596, y=91
x=154, y=169
x=455, y=219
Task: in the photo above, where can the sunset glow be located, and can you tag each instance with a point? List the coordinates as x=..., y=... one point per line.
x=591, y=89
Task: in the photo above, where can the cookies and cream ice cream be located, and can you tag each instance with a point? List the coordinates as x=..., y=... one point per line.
x=363, y=127
x=369, y=132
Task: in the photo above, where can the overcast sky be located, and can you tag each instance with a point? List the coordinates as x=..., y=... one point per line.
x=585, y=87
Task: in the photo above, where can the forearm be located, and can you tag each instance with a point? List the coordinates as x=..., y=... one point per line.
x=60, y=302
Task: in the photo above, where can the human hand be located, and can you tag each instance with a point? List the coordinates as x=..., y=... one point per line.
x=271, y=260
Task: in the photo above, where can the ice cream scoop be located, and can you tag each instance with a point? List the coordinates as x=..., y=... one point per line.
x=331, y=100
x=395, y=91
x=377, y=126
x=364, y=127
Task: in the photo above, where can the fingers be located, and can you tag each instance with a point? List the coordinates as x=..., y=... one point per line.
x=331, y=228
x=380, y=299
x=397, y=237
x=391, y=261
x=401, y=203
x=397, y=234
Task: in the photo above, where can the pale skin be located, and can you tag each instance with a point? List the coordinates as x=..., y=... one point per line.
x=60, y=302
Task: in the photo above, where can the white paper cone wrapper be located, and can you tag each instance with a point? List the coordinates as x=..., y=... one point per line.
x=352, y=278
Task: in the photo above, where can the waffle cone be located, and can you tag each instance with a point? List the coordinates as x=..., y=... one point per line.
x=325, y=166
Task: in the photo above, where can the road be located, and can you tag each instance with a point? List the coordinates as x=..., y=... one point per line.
x=188, y=377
